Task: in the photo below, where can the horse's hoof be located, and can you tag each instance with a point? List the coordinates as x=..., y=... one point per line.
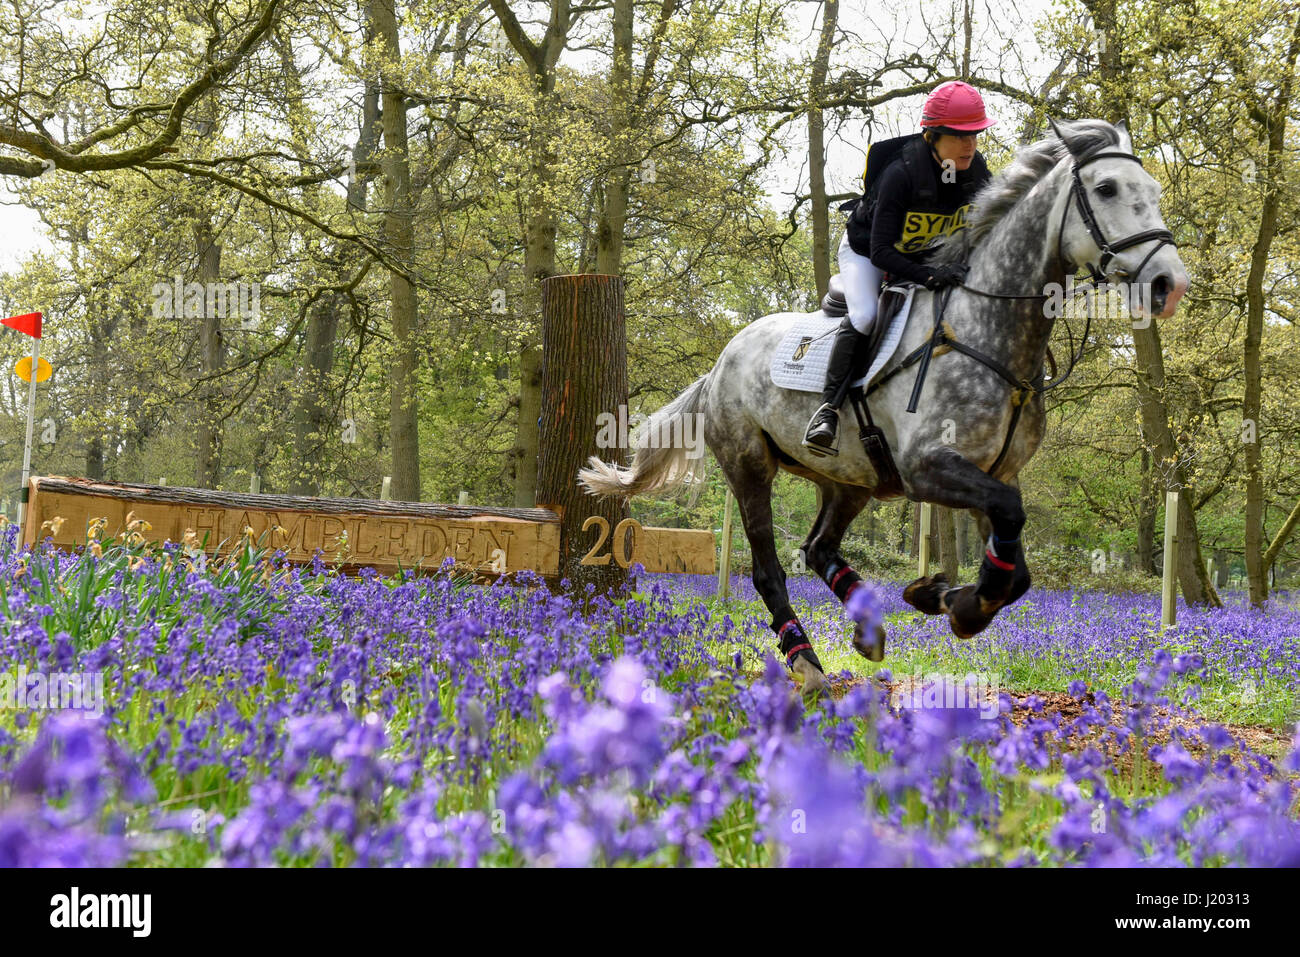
x=968, y=613
x=926, y=594
x=872, y=649
x=814, y=680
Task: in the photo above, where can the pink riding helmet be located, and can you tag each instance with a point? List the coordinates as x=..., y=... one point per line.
x=955, y=105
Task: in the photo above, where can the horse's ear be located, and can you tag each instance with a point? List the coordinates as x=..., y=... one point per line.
x=1125, y=140
x=1059, y=135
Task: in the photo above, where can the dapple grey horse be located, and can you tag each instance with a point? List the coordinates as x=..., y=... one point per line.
x=1079, y=197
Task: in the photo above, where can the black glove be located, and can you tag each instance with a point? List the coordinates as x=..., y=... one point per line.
x=946, y=274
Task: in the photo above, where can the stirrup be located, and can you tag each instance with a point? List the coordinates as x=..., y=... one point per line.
x=815, y=448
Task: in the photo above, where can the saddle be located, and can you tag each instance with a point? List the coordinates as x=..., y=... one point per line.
x=891, y=300
x=872, y=438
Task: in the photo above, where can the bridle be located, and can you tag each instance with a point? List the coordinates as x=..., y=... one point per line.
x=1108, y=250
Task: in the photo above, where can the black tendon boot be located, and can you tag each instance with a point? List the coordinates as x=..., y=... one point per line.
x=847, y=353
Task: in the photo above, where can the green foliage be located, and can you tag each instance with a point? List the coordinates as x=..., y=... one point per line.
x=303, y=392
x=878, y=560
x=1066, y=567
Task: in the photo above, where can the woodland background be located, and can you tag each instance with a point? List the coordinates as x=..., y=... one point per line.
x=393, y=179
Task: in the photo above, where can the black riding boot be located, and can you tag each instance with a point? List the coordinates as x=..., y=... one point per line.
x=847, y=353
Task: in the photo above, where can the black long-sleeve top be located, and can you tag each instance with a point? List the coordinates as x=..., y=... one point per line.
x=902, y=239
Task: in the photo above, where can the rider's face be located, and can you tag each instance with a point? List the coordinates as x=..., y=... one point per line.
x=959, y=149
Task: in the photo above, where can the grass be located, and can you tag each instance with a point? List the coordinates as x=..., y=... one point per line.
x=916, y=644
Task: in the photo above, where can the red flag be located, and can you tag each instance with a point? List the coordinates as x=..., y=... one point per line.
x=29, y=323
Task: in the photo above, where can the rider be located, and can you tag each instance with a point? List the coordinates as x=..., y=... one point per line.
x=916, y=202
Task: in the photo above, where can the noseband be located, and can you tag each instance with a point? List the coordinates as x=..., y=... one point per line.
x=1108, y=250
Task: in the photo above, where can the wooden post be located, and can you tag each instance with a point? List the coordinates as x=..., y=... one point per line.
x=949, y=556
x=386, y=489
x=923, y=561
x=724, y=565
x=1170, y=579
x=584, y=381
x=31, y=421
x=464, y=498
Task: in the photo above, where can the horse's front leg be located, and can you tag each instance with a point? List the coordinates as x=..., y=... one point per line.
x=943, y=477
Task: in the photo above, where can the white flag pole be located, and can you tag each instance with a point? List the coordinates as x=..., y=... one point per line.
x=27, y=446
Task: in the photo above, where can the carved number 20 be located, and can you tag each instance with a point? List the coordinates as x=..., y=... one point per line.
x=620, y=548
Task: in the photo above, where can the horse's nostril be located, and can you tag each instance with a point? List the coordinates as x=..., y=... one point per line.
x=1162, y=286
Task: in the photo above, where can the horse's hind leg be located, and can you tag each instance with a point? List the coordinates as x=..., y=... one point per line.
x=841, y=504
x=750, y=471
x=943, y=477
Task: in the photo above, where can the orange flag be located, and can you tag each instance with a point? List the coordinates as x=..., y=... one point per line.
x=29, y=323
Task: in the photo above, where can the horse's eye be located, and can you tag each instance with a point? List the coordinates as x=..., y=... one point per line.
x=1106, y=189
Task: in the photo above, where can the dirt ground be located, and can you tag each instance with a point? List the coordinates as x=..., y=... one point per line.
x=1261, y=740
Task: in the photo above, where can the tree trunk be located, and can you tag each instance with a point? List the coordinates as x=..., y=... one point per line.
x=540, y=220
x=584, y=375
x=312, y=408
x=399, y=232
x=1280, y=538
x=613, y=213
x=212, y=350
x=1171, y=475
x=101, y=335
x=968, y=23
x=1157, y=434
x=311, y=411
x=1256, y=567
x=530, y=409
x=1146, y=524
x=820, y=215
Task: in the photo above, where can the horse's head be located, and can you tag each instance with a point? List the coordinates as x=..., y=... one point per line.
x=1112, y=224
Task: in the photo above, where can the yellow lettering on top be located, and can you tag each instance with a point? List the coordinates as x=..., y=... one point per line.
x=922, y=230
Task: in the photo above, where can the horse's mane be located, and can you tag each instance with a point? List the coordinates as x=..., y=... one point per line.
x=1031, y=164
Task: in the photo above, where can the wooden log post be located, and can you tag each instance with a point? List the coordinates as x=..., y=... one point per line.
x=724, y=565
x=584, y=381
x=1169, y=582
x=949, y=556
x=923, y=559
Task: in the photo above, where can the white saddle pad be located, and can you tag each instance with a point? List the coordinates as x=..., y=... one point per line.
x=799, y=362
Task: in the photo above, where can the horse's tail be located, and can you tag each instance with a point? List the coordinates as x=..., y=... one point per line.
x=656, y=466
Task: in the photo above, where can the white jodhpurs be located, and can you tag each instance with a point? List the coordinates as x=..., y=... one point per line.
x=861, y=279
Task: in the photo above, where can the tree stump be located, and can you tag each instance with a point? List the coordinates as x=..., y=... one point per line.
x=584, y=380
